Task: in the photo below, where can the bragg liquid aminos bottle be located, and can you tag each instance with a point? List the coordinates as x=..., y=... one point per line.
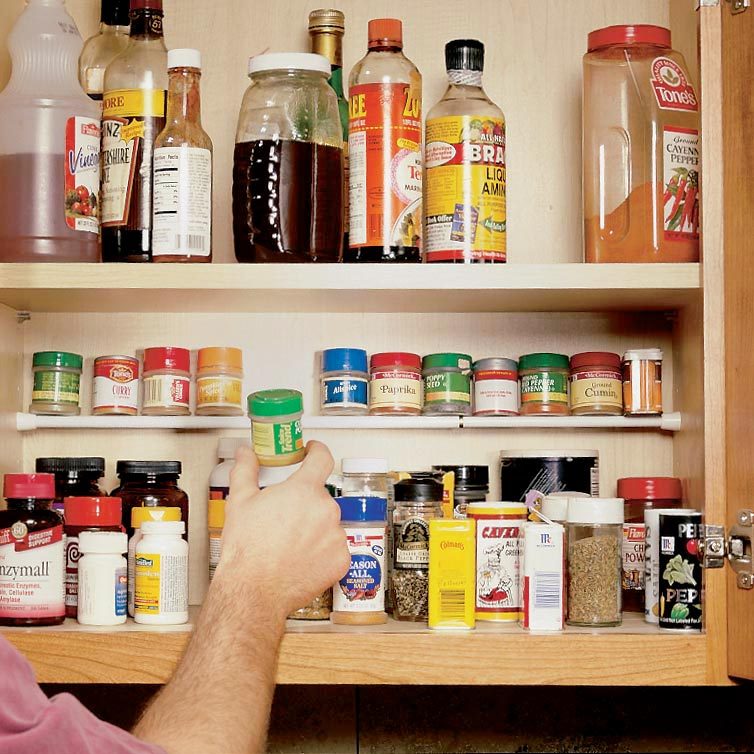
x=133, y=115
x=384, y=144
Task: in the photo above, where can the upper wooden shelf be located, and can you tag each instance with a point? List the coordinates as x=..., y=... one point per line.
x=346, y=288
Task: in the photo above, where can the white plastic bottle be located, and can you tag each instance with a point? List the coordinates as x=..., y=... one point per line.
x=49, y=144
x=219, y=479
x=102, y=578
x=161, y=585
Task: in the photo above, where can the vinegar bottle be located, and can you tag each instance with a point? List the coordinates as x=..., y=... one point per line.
x=49, y=144
x=384, y=145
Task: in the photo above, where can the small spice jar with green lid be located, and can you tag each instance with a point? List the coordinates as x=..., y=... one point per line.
x=447, y=384
x=57, y=383
x=544, y=383
x=276, y=426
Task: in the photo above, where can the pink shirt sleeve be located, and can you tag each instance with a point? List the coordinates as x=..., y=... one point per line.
x=30, y=723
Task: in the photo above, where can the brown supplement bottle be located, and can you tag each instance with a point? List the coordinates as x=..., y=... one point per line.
x=74, y=477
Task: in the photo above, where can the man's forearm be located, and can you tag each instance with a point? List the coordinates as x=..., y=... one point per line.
x=227, y=672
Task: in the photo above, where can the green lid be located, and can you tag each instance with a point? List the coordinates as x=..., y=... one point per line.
x=275, y=402
x=537, y=360
x=454, y=360
x=57, y=359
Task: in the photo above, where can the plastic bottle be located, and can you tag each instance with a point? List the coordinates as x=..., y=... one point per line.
x=465, y=209
x=49, y=144
x=219, y=479
x=102, y=578
x=385, y=129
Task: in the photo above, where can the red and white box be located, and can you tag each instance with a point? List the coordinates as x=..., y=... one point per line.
x=543, y=576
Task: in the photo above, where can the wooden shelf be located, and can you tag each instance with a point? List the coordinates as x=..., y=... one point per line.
x=347, y=288
x=634, y=654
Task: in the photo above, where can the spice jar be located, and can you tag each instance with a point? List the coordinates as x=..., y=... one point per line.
x=641, y=494
x=345, y=382
x=74, y=477
x=57, y=383
x=595, y=533
x=471, y=485
x=496, y=387
x=359, y=597
x=276, y=426
x=642, y=382
x=167, y=381
x=417, y=502
x=395, y=384
x=219, y=382
x=555, y=505
x=596, y=384
x=115, y=390
x=447, y=384
x=544, y=383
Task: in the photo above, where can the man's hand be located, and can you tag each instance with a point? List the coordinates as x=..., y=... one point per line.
x=287, y=539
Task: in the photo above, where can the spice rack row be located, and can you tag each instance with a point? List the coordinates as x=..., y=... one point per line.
x=670, y=422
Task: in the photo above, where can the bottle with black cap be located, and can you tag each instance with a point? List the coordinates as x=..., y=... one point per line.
x=74, y=477
x=464, y=166
x=472, y=485
x=106, y=44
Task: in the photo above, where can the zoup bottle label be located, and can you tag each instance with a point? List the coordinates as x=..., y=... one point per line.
x=466, y=210
x=82, y=147
x=384, y=144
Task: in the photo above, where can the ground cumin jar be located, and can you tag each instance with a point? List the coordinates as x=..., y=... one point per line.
x=396, y=384
x=167, y=381
x=544, y=383
x=596, y=384
x=219, y=379
x=642, y=382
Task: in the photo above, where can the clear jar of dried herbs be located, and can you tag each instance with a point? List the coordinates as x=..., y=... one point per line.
x=595, y=532
x=417, y=501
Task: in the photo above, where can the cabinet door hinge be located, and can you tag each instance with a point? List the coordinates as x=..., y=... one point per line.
x=736, y=548
x=738, y=6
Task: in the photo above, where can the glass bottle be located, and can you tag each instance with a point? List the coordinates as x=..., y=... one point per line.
x=385, y=128
x=326, y=29
x=133, y=115
x=100, y=50
x=465, y=208
x=182, y=207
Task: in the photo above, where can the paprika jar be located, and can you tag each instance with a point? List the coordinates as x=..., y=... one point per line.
x=596, y=384
x=395, y=385
x=447, y=384
x=641, y=149
x=57, y=383
x=219, y=378
x=544, y=383
x=167, y=381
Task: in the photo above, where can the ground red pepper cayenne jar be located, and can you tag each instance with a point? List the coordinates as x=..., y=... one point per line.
x=167, y=381
x=84, y=514
x=396, y=384
x=596, y=384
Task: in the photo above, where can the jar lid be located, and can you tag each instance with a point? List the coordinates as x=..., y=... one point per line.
x=555, y=507
x=57, y=359
x=595, y=359
x=275, y=402
x=20, y=486
x=211, y=358
x=146, y=5
x=452, y=360
x=92, y=511
x=362, y=508
x=496, y=362
x=216, y=514
x=418, y=491
x=142, y=513
x=171, y=468
x=289, y=61
x=115, y=13
x=167, y=357
x=327, y=19
x=464, y=55
x=504, y=508
x=650, y=488
x=468, y=476
x=103, y=542
x=350, y=359
x=55, y=465
x=270, y=475
x=395, y=359
x=535, y=360
x=227, y=446
x=364, y=466
x=595, y=510
x=385, y=32
x=184, y=57
x=649, y=354
x=631, y=34
x=549, y=455
x=163, y=527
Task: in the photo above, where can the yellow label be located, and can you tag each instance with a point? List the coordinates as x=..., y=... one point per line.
x=133, y=130
x=147, y=578
x=464, y=179
x=127, y=103
x=218, y=391
x=597, y=391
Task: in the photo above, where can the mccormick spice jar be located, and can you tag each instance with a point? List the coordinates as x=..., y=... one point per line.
x=167, y=381
x=396, y=384
x=652, y=561
x=596, y=384
x=345, y=382
x=219, y=378
x=447, y=384
x=115, y=390
x=496, y=387
x=543, y=576
x=642, y=382
x=57, y=383
x=74, y=477
x=276, y=426
x=544, y=383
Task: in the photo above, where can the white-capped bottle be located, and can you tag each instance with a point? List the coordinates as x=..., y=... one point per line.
x=102, y=587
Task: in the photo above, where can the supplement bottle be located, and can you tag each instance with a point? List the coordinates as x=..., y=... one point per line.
x=49, y=144
x=215, y=526
x=464, y=161
x=384, y=147
x=74, y=477
x=102, y=579
x=32, y=548
x=161, y=574
x=219, y=479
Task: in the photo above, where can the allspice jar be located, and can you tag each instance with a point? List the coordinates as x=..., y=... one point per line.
x=596, y=384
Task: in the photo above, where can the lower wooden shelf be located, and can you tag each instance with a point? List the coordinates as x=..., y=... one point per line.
x=634, y=654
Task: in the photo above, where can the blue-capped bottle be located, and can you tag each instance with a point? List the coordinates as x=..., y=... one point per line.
x=345, y=382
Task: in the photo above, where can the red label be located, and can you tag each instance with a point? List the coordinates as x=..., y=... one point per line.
x=496, y=374
x=672, y=87
x=118, y=370
x=23, y=539
x=82, y=174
